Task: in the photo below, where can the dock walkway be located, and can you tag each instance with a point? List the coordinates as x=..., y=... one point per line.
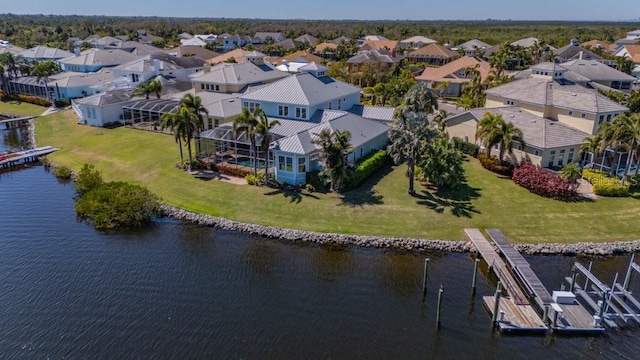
x=522, y=269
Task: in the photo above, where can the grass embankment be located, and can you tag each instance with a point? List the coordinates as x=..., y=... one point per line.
x=20, y=108
x=379, y=207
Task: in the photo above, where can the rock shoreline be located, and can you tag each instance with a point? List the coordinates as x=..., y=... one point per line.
x=580, y=249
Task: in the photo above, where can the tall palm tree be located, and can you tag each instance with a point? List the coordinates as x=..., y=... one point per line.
x=43, y=70
x=187, y=125
x=262, y=129
x=609, y=134
x=409, y=132
x=624, y=132
x=419, y=99
x=247, y=122
x=143, y=89
x=493, y=130
x=155, y=87
x=334, y=150
x=170, y=121
x=194, y=103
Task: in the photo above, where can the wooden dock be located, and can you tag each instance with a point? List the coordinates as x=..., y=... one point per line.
x=517, y=314
x=25, y=156
x=522, y=269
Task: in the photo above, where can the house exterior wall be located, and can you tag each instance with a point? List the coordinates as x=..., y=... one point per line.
x=559, y=157
x=100, y=115
x=222, y=88
x=377, y=143
x=289, y=172
x=584, y=124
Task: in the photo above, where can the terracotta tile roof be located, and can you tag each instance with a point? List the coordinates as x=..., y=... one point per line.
x=433, y=50
x=304, y=55
x=450, y=72
x=237, y=54
x=325, y=45
x=634, y=52
x=381, y=44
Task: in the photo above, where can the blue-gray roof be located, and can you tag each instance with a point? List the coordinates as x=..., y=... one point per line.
x=302, y=89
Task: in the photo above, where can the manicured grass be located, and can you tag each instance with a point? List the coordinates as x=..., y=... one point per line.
x=20, y=108
x=379, y=207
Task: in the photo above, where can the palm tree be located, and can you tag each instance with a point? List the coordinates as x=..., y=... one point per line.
x=43, y=70
x=143, y=89
x=409, y=132
x=334, y=150
x=419, y=99
x=439, y=120
x=170, y=121
x=609, y=134
x=493, y=130
x=262, y=128
x=571, y=172
x=247, y=122
x=194, y=103
x=187, y=124
x=591, y=145
x=154, y=87
x=442, y=87
x=624, y=132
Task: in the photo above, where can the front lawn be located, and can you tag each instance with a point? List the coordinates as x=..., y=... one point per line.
x=20, y=108
x=379, y=207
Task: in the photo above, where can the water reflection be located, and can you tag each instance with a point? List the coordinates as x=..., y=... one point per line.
x=400, y=272
x=261, y=256
x=332, y=261
x=196, y=240
x=14, y=138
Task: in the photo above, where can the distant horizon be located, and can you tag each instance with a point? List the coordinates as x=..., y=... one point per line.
x=340, y=10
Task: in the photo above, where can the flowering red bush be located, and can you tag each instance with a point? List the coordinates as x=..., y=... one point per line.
x=542, y=182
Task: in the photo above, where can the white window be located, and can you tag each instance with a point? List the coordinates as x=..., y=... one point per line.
x=302, y=165
x=285, y=163
x=283, y=110
x=301, y=113
x=251, y=105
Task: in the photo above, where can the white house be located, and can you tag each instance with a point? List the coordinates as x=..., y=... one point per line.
x=103, y=108
x=150, y=66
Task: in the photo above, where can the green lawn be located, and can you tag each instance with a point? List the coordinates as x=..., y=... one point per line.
x=380, y=207
x=20, y=108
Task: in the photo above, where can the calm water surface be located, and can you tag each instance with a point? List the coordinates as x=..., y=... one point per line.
x=177, y=291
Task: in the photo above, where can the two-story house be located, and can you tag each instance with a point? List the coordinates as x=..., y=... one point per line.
x=454, y=75
x=93, y=60
x=150, y=66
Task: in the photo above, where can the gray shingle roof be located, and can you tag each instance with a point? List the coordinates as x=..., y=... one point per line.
x=597, y=71
x=473, y=44
x=45, y=52
x=306, y=38
x=168, y=62
x=106, y=98
x=302, y=89
x=418, y=39
x=538, y=132
x=96, y=57
x=526, y=42
x=239, y=74
x=569, y=51
x=559, y=93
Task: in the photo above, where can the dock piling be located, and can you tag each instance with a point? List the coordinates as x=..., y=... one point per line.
x=424, y=282
x=627, y=278
x=475, y=275
x=574, y=275
x=586, y=282
x=496, y=306
x=440, y=292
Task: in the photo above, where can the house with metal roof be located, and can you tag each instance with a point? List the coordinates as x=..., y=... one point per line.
x=548, y=93
x=306, y=39
x=548, y=143
x=471, y=47
x=196, y=51
x=269, y=37
x=102, y=108
x=599, y=73
x=11, y=49
x=44, y=53
x=147, y=67
x=92, y=60
x=234, y=77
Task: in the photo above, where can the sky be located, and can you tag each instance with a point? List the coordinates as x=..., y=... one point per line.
x=576, y=10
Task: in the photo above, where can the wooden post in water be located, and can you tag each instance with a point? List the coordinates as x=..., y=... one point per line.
x=438, y=323
x=627, y=278
x=545, y=315
x=496, y=306
x=475, y=275
x=574, y=274
x=424, y=282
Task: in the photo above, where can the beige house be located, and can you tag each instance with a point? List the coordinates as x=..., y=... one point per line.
x=234, y=77
x=547, y=93
x=548, y=143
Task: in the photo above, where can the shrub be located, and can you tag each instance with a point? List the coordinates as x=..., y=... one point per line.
x=605, y=185
x=542, y=182
x=232, y=170
x=62, y=103
x=117, y=204
x=88, y=179
x=255, y=180
x=466, y=147
x=63, y=172
x=310, y=188
x=316, y=180
x=33, y=100
x=493, y=164
x=366, y=166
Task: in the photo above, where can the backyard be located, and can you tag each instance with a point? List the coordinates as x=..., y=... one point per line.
x=20, y=108
x=379, y=207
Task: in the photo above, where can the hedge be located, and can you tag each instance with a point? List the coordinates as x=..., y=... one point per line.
x=605, y=185
x=314, y=179
x=231, y=170
x=366, y=166
x=493, y=164
x=542, y=182
x=466, y=147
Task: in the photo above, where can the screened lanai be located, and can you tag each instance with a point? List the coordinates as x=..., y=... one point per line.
x=223, y=145
x=148, y=112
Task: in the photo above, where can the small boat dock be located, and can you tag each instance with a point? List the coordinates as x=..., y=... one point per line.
x=14, y=158
x=528, y=307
